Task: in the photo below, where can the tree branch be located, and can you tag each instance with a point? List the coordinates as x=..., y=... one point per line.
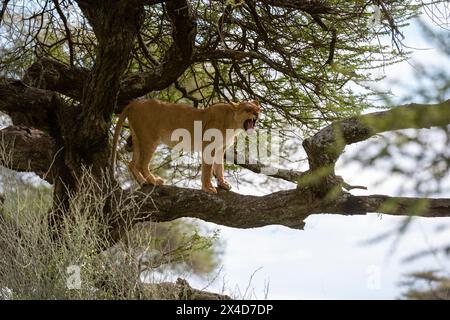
x=28, y=150
x=176, y=60
x=287, y=208
x=309, y=6
x=50, y=74
x=67, y=30
x=325, y=147
x=348, y=204
x=29, y=106
x=258, y=167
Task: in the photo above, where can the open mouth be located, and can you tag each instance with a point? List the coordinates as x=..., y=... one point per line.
x=249, y=124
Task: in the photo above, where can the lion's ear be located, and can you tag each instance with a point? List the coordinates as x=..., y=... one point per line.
x=256, y=102
x=234, y=104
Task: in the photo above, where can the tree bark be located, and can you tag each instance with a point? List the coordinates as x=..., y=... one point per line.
x=84, y=137
x=115, y=25
x=27, y=149
x=287, y=208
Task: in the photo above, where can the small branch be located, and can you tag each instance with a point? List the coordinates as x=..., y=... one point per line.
x=145, y=51
x=186, y=94
x=396, y=34
x=258, y=167
x=324, y=27
x=67, y=30
x=310, y=6
x=3, y=10
x=350, y=187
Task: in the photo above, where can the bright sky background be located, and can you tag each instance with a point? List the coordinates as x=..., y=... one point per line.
x=328, y=260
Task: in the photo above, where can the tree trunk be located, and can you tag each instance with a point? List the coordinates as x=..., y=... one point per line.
x=83, y=138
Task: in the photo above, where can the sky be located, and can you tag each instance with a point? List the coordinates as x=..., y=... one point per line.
x=331, y=258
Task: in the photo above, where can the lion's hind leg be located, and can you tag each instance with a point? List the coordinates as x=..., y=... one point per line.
x=132, y=165
x=145, y=155
x=218, y=170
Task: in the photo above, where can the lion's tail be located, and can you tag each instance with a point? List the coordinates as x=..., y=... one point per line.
x=117, y=131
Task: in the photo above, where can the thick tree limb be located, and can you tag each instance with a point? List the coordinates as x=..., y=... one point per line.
x=29, y=106
x=287, y=208
x=348, y=204
x=325, y=147
x=26, y=149
x=50, y=74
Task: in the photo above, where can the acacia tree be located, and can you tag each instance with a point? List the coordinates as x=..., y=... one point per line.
x=69, y=66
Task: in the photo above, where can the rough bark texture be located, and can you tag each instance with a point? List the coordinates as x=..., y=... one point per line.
x=29, y=106
x=288, y=208
x=28, y=149
x=115, y=26
x=50, y=74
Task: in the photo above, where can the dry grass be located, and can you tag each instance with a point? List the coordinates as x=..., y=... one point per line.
x=32, y=266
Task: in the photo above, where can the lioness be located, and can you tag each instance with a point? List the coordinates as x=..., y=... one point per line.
x=153, y=122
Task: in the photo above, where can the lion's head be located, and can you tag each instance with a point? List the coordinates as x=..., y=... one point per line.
x=246, y=114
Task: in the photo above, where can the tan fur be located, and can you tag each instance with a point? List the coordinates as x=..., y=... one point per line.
x=153, y=121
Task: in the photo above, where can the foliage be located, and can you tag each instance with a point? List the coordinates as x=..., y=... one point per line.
x=303, y=66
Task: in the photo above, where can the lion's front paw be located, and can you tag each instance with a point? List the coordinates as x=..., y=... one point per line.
x=223, y=184
x=159, y=181
x=209, y=189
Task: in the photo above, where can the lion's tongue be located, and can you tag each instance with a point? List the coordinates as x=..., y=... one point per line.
x=249, y=127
